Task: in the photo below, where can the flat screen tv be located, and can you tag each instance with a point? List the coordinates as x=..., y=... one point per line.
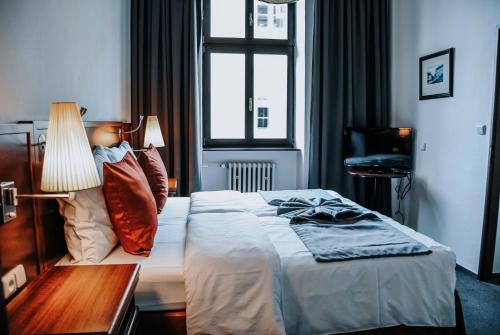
x=378, y=149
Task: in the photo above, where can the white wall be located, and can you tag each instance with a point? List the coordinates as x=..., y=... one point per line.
x=288, y=162
x=64, y=50
x=447, y=201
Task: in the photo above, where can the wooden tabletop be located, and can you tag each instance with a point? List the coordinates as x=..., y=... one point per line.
x=74, y=299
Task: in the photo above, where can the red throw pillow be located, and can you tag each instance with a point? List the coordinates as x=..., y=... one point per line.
x=156, y=173
x=131, y=205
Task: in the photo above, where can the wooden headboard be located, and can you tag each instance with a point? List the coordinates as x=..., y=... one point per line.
x=35, y=238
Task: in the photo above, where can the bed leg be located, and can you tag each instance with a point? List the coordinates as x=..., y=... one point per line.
x=459, y=316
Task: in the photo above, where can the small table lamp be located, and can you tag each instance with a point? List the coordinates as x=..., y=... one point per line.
x=68, y=163
x=153, y=134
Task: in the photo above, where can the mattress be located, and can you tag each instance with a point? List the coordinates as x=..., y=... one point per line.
x=161, y=280
x=337, y=297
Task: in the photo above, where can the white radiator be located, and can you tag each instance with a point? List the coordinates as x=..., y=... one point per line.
x=250, y=176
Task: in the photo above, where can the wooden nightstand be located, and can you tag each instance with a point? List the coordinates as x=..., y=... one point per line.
x=97, y=299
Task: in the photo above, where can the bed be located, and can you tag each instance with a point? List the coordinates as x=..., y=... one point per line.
x=414, y=291
x=307, y=297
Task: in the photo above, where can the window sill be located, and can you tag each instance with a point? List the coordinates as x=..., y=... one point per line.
x=252, y=149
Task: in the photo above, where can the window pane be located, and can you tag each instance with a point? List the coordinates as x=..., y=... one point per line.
x=271, y=21
x=227, y=96
x=270, y=96
x=227, y=18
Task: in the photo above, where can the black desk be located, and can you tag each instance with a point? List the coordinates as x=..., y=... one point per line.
x=401, y=191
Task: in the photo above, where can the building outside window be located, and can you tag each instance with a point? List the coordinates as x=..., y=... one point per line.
x=262, y=117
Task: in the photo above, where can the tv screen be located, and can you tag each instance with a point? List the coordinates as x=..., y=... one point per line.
x=379, y=148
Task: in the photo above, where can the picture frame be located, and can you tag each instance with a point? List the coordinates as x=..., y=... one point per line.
x=436, y=75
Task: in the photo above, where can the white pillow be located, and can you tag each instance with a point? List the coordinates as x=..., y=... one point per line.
x=110, y=155
x=116, y=154
x=89, y=233
x=100, y=157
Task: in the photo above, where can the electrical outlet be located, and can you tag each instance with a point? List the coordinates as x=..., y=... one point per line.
x=13, y=280
x=20, y=275
x=9, y=284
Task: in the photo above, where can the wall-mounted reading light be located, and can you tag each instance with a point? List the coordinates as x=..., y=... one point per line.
x=68, y=164
x=153, y=133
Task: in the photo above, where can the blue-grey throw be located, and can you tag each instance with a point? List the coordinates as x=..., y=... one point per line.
x=272, y=197
x=337, y=231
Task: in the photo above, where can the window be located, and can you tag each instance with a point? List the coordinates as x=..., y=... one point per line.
x=248, y=74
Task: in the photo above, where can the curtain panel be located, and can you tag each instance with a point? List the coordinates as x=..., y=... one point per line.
x=166, y=81
x=350, y=87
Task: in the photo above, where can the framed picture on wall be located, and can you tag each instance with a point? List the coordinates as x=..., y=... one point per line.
x=436, y=75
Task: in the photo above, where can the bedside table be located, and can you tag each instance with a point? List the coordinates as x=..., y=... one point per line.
x=87, y=299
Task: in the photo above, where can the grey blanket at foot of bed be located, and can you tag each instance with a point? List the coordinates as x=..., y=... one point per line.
x=336, y=231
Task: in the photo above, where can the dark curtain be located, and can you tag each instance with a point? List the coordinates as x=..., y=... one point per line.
x=350, y=88
x=165, y=64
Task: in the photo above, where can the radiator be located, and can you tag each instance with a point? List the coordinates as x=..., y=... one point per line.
x=250, y=176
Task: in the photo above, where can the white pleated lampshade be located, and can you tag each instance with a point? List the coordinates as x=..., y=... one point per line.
x=68, y=164
x=153, y=133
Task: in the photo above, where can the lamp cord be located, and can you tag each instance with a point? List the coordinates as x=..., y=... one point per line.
x=402, y=189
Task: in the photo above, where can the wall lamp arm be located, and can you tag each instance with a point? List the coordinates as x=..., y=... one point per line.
x=138, y=127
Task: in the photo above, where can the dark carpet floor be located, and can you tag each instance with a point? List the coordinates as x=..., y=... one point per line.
x=480, y=303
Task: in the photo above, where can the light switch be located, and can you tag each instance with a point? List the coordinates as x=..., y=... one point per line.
x=481, y=129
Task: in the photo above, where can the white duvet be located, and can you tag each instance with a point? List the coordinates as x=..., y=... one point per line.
x=232, y=276
x=247, y=272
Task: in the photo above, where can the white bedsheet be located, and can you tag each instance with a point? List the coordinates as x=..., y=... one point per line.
x=325, y=298
x=161, y=280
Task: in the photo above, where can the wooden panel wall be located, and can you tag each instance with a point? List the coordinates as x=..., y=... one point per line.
x=17, y=237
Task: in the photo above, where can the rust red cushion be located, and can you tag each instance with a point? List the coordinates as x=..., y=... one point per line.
x=156, y=174
x=131, y=205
